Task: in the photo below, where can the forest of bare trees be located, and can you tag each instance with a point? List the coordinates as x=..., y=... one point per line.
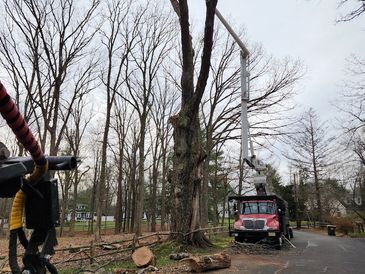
x=152, y=108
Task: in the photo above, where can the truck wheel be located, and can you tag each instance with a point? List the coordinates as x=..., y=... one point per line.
x=291, y=234
x=279, y=243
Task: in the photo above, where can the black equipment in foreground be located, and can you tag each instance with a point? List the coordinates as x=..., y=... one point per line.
x=13, y=169
x=41, y=211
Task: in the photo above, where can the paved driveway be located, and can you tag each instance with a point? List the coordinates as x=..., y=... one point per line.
x=315, y=253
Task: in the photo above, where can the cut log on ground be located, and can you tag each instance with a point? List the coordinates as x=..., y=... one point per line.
x=209, y=262
x=143, y=257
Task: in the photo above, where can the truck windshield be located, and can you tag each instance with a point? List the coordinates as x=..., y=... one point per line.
x=258, y=208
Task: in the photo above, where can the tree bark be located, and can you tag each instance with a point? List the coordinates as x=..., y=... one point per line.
x=188, y=145
x=119, y=208
x=209, y=262
x=140, y=189
x=163, y=188
x=74, y=202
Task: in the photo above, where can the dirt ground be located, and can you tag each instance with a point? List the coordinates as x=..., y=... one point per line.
x=74, y=242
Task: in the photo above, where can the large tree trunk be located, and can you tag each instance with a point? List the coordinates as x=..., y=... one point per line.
x=189, y=160
x=205, y=187
x=188, y=156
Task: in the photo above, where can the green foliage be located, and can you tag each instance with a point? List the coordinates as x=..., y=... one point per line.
x=284, y=191
x=219, y=186
x=222, y=241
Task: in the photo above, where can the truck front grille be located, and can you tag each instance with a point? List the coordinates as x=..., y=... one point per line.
x=254, y=224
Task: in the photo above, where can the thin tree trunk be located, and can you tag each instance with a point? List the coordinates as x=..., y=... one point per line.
x=225, y=201
x=154, y=200
x=94, y=194
x=163, y=189
x=316, y=179
x=63, y=212
x=140, y=200
x=74, y=202
x=100, y=187
x=119, y=209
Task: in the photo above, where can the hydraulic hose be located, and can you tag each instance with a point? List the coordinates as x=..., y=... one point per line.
x=16, y=122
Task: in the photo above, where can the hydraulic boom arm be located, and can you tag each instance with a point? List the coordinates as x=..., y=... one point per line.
x=259, y=179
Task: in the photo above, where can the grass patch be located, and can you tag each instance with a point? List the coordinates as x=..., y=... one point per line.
x=222, y=241
x=67, y=271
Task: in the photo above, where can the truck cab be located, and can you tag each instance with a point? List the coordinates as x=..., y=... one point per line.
x=256, y=218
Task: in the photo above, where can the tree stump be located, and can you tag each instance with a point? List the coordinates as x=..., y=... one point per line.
x=209, y=262
x=143, y=257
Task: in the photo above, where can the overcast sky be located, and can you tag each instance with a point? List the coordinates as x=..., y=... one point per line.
x=302, y=29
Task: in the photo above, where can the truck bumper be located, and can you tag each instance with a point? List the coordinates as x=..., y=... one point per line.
x=253, y=234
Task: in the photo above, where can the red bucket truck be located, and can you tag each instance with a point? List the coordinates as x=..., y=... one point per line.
x=258, y=218
x=265, y=215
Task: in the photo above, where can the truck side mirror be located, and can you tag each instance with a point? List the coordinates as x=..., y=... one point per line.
x=234, y=207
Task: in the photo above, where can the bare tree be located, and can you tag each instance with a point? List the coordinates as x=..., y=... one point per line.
x=352, y=100
x=118, y=37
x=164, y=106
x=356, y=9
x=66, y=184
x=74, y=136
x=121, y=126
x=187, y=149
x=54, y=43
x=311, y=149
x=154, y=35
x=131, y=185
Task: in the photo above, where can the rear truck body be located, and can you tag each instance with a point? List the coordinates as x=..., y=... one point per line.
x=257, y=218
